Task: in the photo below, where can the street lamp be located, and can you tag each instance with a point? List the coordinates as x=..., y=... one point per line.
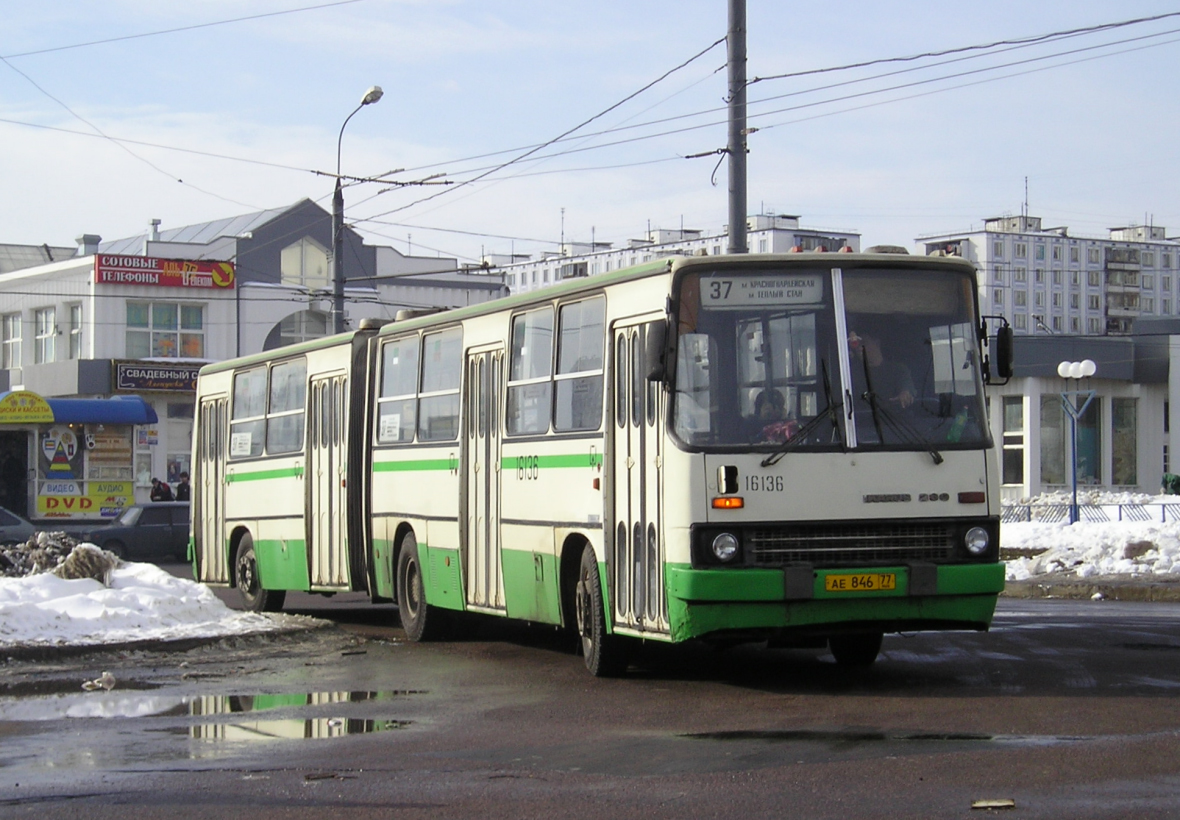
x=371, y=96
x=1071, y=400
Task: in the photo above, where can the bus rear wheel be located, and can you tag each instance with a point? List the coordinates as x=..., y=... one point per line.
x=254, y=597
x=604, y=654
x=855, y=650
x=421, y=621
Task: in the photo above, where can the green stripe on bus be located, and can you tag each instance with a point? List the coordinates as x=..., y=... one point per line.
x=552, y=462
x=414, y=466
x=263, y=475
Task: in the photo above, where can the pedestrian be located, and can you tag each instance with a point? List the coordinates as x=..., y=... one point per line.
x=182, y=488
x=160, y=491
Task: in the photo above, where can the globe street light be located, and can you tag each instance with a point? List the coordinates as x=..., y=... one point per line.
x=371, y=96
x=1070, y=401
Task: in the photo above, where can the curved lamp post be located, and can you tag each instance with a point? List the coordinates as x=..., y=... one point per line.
x=1072, y=401
x=371, y=96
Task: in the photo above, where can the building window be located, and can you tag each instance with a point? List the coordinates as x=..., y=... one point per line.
x=1094, y=278
x=1022, y=250
x=511, y=279
x=1057, y=277
x=1147, y=305
x=998, y=297
x=11, y=354
x=1148, y=281
x=1166, y=260
x=1057, y=324
x=1074, y=324
x=1052, y=439
x=716, y=251
x=1166, y=307
x=1123, y=448
x=1075, y=301
x=302, y=327
x=998, y=274
x=1020, y=321
x=1020, y=274
x=305, y=263
x=1073, y=254
x=1056, y=253
x=1056, y=299
x=44, y=349
x=1019, y=298
x=1094, y=302
x=1039, y=299
x=75, y=331
x=998, y=249
x=1055, y=443
x=1094, y=326
x=1166, y=282
x=1075, y=277
x=1039, y=276
x=1013, y=439
x=1148, y=259
x=761, y=246
x=545, y=275
x=1040, y=252
x=165, y=330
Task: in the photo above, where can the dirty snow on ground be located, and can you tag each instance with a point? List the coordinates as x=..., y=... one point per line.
x=143, y=602
x=1093, y=548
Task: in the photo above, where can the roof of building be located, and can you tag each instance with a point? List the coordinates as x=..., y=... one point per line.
x=18, y=257
x=202, y=233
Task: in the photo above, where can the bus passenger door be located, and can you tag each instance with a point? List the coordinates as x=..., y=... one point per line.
x=325, y=480
x=481, y=520
x=208, y=507
x=637, y=560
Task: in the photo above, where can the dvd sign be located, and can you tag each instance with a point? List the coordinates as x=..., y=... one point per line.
x=163, y=273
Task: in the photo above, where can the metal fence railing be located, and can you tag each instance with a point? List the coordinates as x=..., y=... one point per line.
x=1055, y=513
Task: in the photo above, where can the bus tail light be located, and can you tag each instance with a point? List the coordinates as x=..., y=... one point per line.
x=972, y=498
x=733, y=502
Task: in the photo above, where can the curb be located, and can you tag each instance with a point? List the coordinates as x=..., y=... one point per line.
x=1085, y=589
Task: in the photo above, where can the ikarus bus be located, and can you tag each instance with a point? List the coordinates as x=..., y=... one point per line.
x=790, y=448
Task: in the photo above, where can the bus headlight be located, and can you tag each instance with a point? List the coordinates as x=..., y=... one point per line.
x=725, y=546
x=976, y=540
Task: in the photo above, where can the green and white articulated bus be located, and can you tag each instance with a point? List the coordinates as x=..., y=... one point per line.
x=790, y=448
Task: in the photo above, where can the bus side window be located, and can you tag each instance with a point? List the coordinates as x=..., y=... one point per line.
x=578, y=387
x=399, y=384
x=247, y=431
x=442, y=369
x=530, y=373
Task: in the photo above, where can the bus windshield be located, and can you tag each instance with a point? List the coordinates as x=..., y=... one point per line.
x=822, y=358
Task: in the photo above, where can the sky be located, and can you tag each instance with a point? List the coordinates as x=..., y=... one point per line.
x=257, y=106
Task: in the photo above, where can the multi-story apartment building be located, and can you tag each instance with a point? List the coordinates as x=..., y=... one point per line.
x=767, y=233
x=1044, y=280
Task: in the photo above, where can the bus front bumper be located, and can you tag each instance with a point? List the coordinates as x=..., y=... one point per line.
x=806, y=601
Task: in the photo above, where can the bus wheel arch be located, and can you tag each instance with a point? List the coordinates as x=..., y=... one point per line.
x=605, y=654
x=421, y=621
x=255, y=597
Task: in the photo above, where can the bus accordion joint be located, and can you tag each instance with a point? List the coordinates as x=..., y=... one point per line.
x=732, y=502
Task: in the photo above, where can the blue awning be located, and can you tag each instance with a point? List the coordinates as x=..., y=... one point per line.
x=115, y=410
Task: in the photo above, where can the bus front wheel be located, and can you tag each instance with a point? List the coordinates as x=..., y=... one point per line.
x=604, y=655
x=421, y=621
x=254, y=597
x=855, y=650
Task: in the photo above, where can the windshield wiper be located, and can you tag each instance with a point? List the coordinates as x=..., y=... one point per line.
x=894, y=423
x=830, y=411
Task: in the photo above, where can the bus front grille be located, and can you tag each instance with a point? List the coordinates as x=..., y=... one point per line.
x=839, y=545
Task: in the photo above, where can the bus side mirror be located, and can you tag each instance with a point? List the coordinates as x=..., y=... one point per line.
x=657, y=341
x=1004, y=352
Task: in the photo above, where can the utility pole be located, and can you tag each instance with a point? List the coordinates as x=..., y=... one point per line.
x=736, y=41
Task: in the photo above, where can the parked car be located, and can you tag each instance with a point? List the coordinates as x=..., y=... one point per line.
x=153, y=532
x=13, y=528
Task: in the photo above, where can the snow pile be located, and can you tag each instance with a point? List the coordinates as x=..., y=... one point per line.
x=1088, y=549
x=143, y=602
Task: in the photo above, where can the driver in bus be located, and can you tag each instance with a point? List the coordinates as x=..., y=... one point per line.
x=890, y=380
x=771, y=415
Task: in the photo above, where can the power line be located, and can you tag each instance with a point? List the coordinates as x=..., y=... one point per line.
x=193, y=27
x=981, y=47
x=584, y=123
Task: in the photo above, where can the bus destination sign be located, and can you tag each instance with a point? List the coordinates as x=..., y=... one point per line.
x=761, y=291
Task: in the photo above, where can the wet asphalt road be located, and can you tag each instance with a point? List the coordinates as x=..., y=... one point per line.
x=1071, y=709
